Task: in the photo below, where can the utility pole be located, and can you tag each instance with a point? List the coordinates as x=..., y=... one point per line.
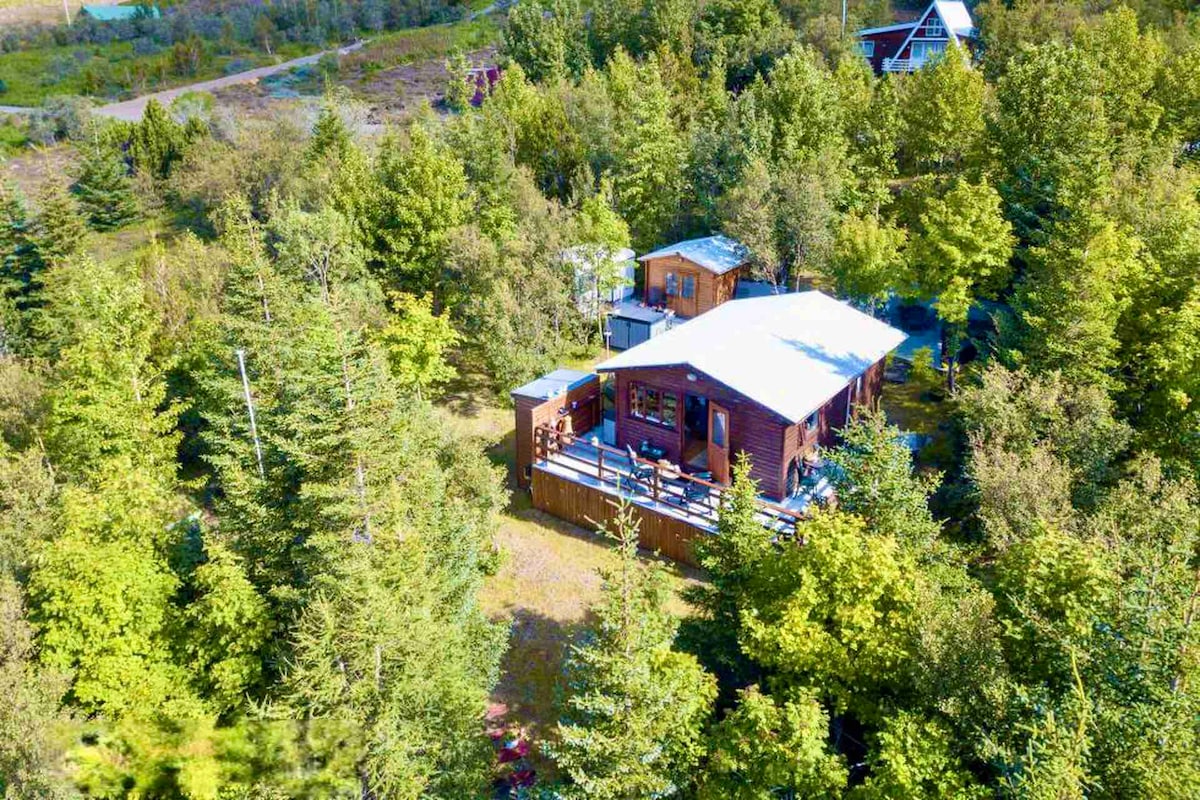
x=67, y=12
x=241, y=357
x=844, y=17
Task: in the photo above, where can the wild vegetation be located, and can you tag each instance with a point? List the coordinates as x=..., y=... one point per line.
x=242, y=550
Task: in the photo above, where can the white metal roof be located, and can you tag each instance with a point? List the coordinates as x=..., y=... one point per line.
x=717, y=254
x=899, y=26
x=790, y=352
x=956, y=17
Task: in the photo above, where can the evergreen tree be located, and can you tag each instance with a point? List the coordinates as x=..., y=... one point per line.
x=104, y=190
x=633, y=707
x=872, y=472
x=58, y=234
x=650, y=153
x=157, y=142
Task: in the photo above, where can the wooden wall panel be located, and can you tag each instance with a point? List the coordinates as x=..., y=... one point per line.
x=752, y=428
x=711, y=290
x=589, y=507
x=531, y=413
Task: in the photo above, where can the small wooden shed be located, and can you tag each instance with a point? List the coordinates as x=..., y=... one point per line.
x=566, y=399
x=694, y=276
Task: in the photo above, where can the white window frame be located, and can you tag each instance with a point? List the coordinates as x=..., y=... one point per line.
x=866, y=48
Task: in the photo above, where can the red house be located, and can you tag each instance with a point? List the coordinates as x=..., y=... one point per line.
x=907, y=46
x=772, y=377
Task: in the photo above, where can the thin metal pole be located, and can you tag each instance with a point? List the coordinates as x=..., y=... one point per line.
x=844, y=17
x=241, y=356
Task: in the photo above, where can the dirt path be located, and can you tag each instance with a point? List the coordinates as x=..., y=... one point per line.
x=131, y=110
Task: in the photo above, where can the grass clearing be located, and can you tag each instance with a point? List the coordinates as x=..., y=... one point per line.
x=549, y=575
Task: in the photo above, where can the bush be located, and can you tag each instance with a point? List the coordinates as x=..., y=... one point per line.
x=59, y=118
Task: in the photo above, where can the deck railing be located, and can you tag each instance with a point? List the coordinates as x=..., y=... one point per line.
x=902, y=64
x=698, y=500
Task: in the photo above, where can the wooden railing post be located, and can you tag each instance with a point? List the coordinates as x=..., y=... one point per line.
x=599, y=463
x=654, y=484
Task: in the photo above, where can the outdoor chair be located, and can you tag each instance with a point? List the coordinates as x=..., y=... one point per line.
x=639, y=474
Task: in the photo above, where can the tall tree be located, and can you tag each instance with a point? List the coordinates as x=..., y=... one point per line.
x=104, y=190
x=633, y=707
x=961, y=254
x=942, y=114
x=423, y=196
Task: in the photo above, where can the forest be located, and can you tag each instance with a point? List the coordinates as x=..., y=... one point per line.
x=243, y=547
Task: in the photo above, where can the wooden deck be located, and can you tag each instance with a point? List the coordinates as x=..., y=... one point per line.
x=582, y=481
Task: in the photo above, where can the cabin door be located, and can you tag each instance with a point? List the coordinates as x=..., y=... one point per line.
x=681, y=293
x=718, y=442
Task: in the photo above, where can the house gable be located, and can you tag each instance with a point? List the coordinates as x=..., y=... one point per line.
x=907, y=47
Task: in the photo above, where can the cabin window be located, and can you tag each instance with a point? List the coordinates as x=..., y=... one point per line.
x=672, y=284
x=653, y=405
x=814, y=419
x=866, y=48
x=934, y=29
x=924, y=51
x=689, y=287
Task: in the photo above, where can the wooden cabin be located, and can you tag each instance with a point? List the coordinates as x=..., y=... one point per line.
x=567, y=400
x=695, y=276
x=908, y=46
x=771, y=377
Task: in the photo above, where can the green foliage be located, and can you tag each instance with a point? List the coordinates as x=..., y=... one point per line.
x=31, y=724
x=962, y=249
x=872, y=472
x=766, y=747
x=633, y=707
x=867, y=253
x=104, y=190
x=839, y=616
x=915, y=758
x=416, y=343
x=158, y=142
x=422, y=197
x=942, y=114
x=461, y=83
x=1069, y=303
x=546, y=38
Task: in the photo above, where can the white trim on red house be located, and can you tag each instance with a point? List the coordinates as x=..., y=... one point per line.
x=885, y=28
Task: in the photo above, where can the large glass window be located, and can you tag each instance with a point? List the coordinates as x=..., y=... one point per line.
x=672, y=284
x=689, y=287
x=653, y=405
x=924, y=51
x=866, y=47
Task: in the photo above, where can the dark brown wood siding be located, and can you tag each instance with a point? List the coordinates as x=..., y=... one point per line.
x=753, y=429
x=531, y=412
x=799, y=439
x=590, y=507
x=711, y=290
